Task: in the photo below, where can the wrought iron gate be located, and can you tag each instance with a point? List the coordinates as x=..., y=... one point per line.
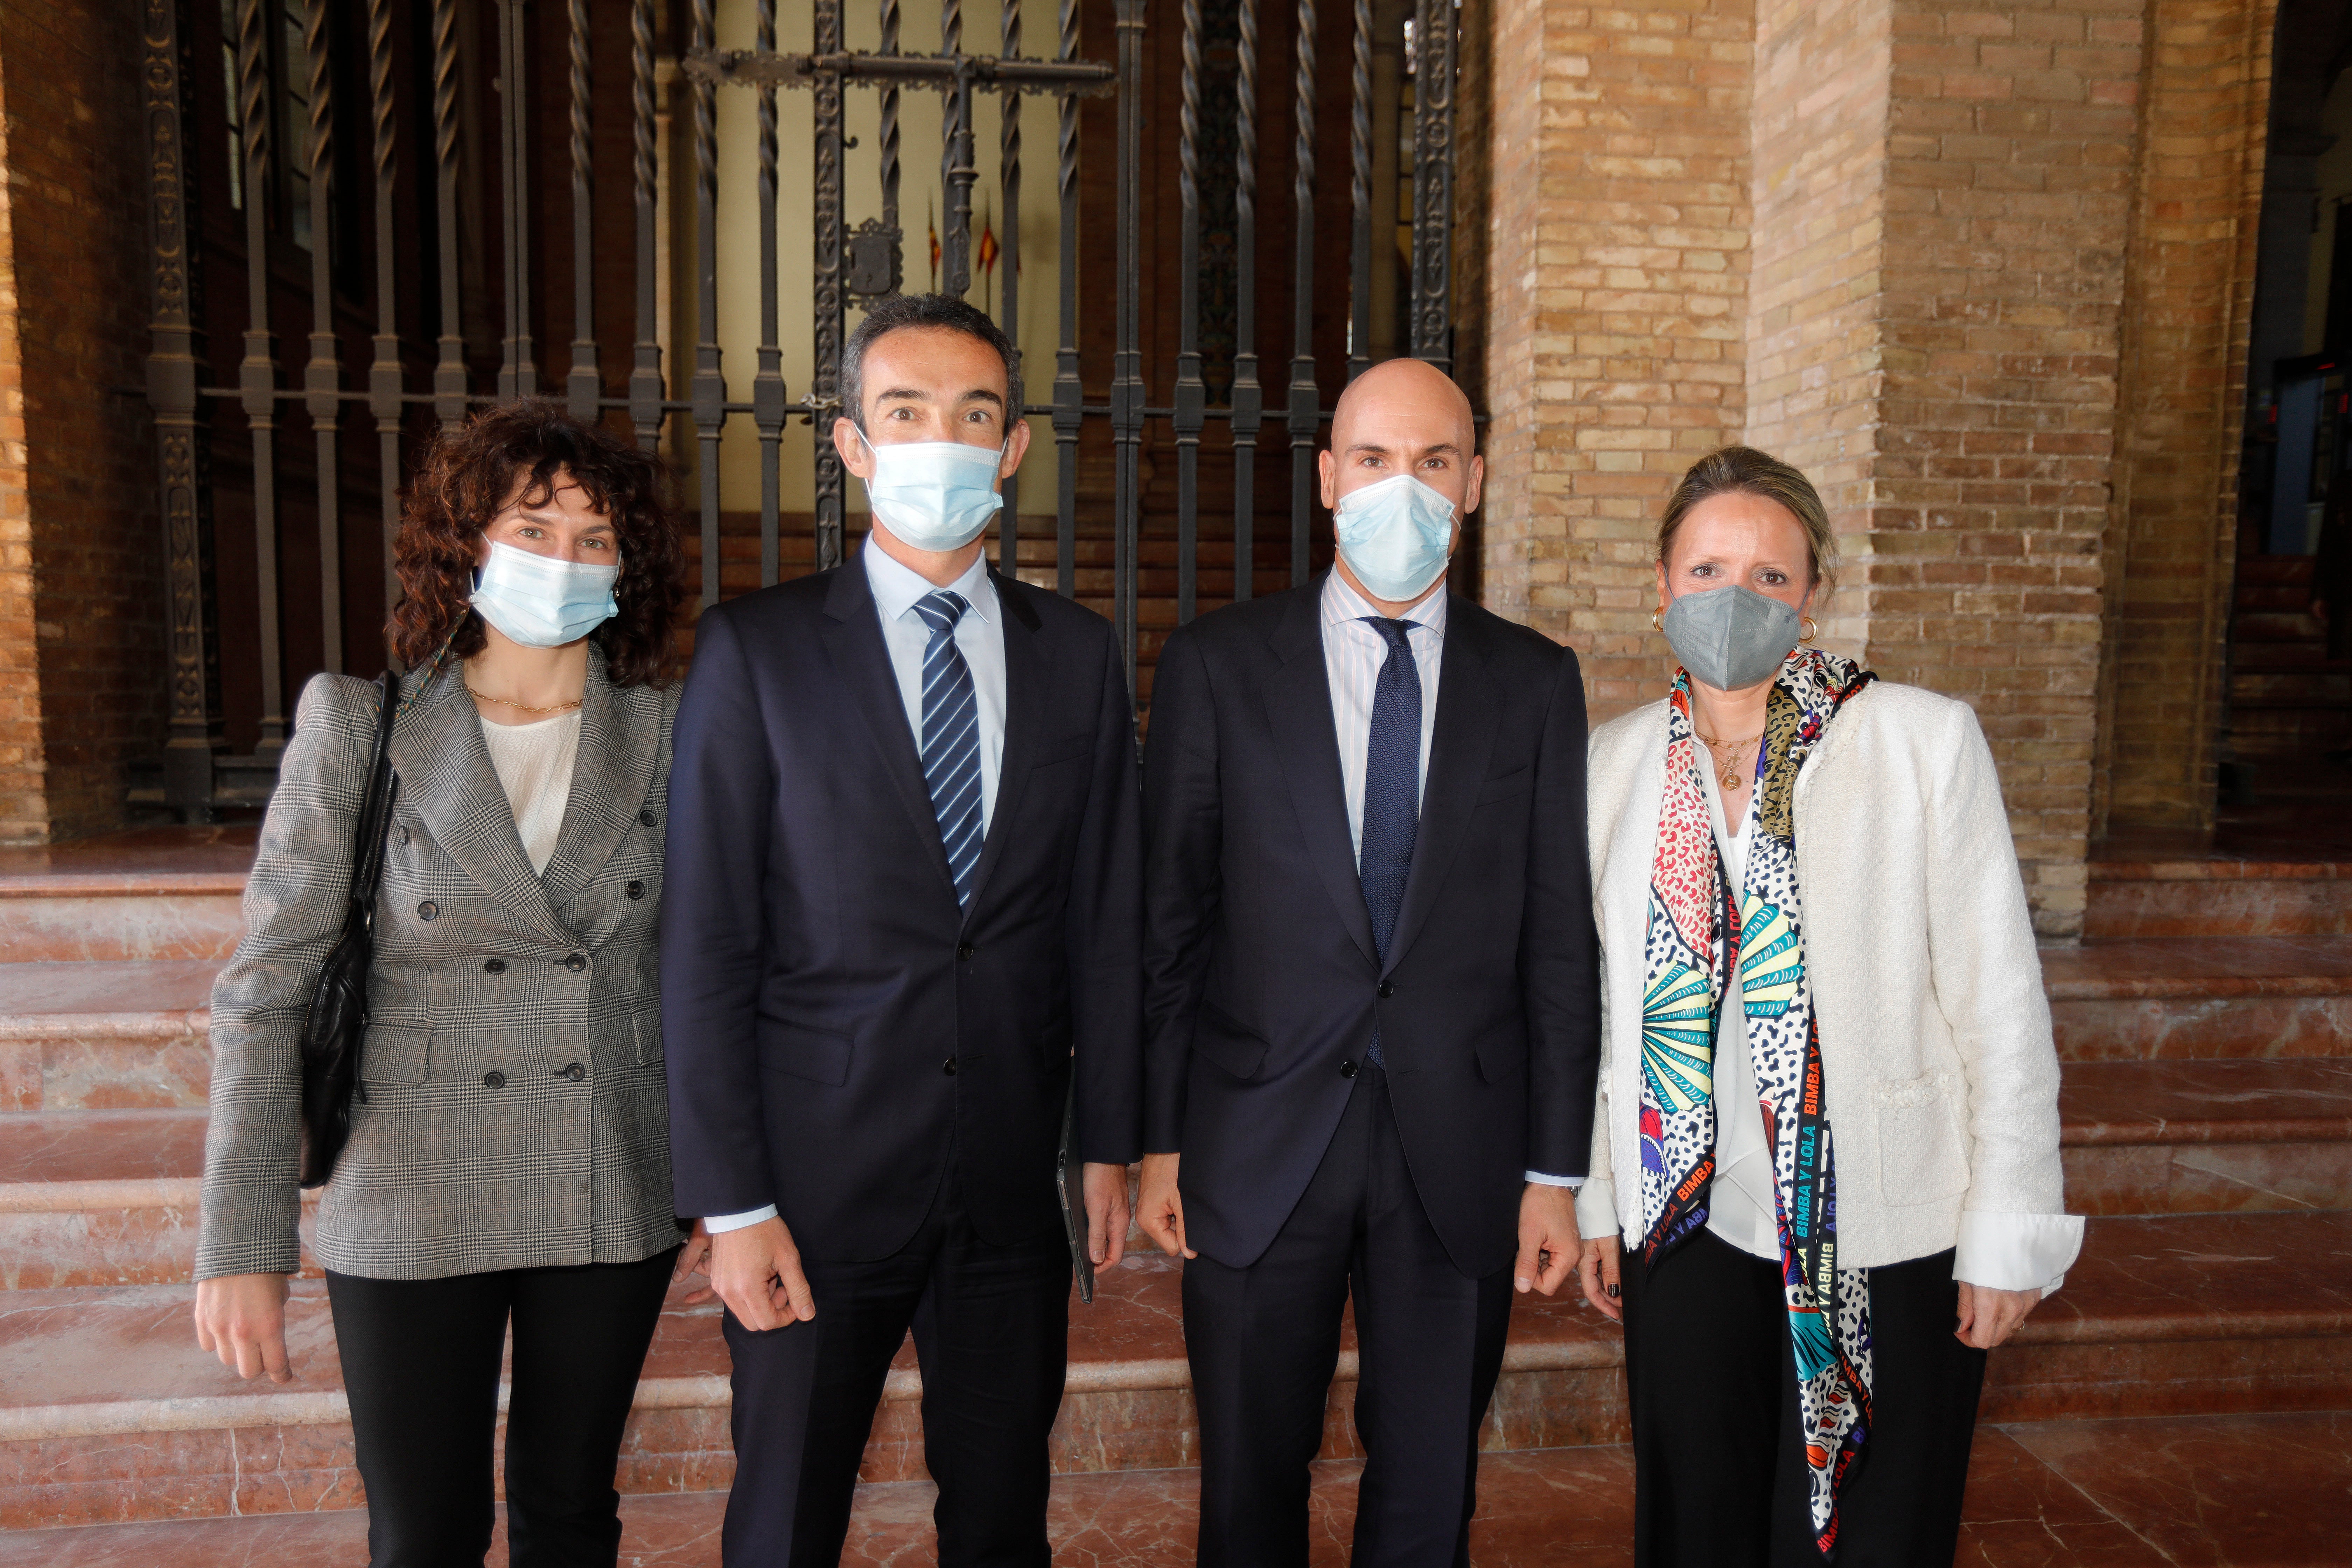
x=298, y=65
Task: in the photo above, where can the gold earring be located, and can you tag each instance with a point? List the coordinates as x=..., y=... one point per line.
x=1656, y=624
x=1812, y=630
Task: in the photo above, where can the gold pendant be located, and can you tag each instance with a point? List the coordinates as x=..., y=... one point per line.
x=1730, y=778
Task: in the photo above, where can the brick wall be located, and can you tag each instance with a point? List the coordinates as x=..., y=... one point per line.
x=1617, y=254
x=23, y=808
x=2188, y=307
x=76, y=451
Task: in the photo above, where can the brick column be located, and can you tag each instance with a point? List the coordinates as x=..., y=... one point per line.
x=82, y=552
x=2172, y=538
x=1617, y=265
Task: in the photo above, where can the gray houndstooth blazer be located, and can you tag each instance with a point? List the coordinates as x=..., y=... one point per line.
x=515, y=1113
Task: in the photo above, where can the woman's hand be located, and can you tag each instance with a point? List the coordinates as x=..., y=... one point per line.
x=694, y=1257
x=1988, y=1316
x=1597, y=1269
x=241, y=1318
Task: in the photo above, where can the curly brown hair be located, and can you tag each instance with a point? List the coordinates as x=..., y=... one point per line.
x=466, y=476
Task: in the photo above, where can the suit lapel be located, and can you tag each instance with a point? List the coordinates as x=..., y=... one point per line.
x=447, y=781
x=1469, y=716
x=620, y=740
x=1307, y=739
x=861, y=662
x=1026, y=660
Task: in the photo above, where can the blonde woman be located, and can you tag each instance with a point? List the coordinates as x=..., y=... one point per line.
x=1827, y=1127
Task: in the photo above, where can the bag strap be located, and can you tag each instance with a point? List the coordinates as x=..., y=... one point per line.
x=375, y=808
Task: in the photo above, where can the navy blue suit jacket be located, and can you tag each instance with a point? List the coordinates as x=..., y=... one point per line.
x=1260, y=976
x=837, y=1030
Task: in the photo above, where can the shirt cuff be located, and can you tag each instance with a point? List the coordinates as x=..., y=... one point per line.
x=1596, y=1209
x=716, y=1222
x=1542, y=1179
x=2017, y=1251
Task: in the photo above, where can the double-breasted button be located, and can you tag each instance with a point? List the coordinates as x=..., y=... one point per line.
x=1347, y=1070
x=635, y=890
x=963, y=953
x=947, y=1067
x=575, y=1072
x=495, y=966
x=403, y=829
x=1386, y=990
x=646, y=817
x=575, y=963
x=493, y=1080
x=428, y=910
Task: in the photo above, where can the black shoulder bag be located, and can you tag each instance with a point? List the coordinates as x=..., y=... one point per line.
x=337, y=1019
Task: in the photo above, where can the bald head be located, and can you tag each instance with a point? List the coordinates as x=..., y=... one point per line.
x=1404, y=417
x=1404, y=389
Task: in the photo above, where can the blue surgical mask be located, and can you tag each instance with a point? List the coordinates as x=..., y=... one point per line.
x=1395, y=536
x=540, y=602
x=934, y=495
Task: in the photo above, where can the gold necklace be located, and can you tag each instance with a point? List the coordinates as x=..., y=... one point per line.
x=1729, y=777
x=510, y=703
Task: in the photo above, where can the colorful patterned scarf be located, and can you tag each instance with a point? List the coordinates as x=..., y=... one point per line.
x=1701, y=931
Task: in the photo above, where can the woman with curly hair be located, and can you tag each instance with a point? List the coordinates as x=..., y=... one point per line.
x=509, y=1153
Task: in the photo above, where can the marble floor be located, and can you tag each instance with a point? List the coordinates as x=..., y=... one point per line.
x=2242, y=1491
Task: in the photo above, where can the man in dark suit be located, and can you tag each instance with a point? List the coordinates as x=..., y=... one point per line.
x=903, y=884
x=1371, y=1002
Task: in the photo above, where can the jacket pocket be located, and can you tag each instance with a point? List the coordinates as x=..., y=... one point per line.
x=1922, y=1153
x=1062, y=750
x=1507, y=786
x=1239, y=1051
x=646, y=1024
x=821, y=1056
x=1501, y=1053
x=394, y=1053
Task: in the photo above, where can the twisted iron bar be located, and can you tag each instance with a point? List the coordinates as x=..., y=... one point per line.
x=1305, y=413
x=258, y=370
x=1008, y=313
x=1360, y=158
x=767, y=378
x=1192, y=395
x=583, y=383
x=645, y=373
x=383, y=373
x=1069, y=396
x=889, y=137
x=449, y=373
x=1248, y=397
x=322, y=377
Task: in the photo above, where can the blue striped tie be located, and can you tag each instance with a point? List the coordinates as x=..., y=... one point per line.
x=951, y=739
x=1392, y=793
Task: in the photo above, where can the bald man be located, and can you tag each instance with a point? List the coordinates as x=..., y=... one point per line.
x=1371, y=1001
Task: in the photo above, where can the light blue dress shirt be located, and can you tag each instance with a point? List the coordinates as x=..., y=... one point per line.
x=979, y=637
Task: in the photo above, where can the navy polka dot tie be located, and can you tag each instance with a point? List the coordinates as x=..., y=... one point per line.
x=1392, y=793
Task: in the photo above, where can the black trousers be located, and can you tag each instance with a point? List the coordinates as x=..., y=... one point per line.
x=421, y=1367
x=1264, y=1340
x=992, y=1330
x=1718, y=1463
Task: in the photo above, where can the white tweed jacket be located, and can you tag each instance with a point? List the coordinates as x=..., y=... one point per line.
x=515, y=1112
x=1942, y=1077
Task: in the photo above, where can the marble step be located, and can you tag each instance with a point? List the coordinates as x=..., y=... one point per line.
x=2205, y=1137
x=105, y=1036
x=2198, y=1493
x=117, y=1035
x=2216, y=896
x=109, y=1197
x=170, y=894
x=2148, y=998
x=109, y=1411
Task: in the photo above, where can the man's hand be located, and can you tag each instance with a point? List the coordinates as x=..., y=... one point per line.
x=1549, y=1248
x=1160, y=1208
x=1603, y=1284
x=1988, y=1316
x=757, y=1272
x=1106, y=1210
x=241, y=1318
x=694, y=1257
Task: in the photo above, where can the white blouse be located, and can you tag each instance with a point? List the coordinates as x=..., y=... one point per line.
x=534, y=767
